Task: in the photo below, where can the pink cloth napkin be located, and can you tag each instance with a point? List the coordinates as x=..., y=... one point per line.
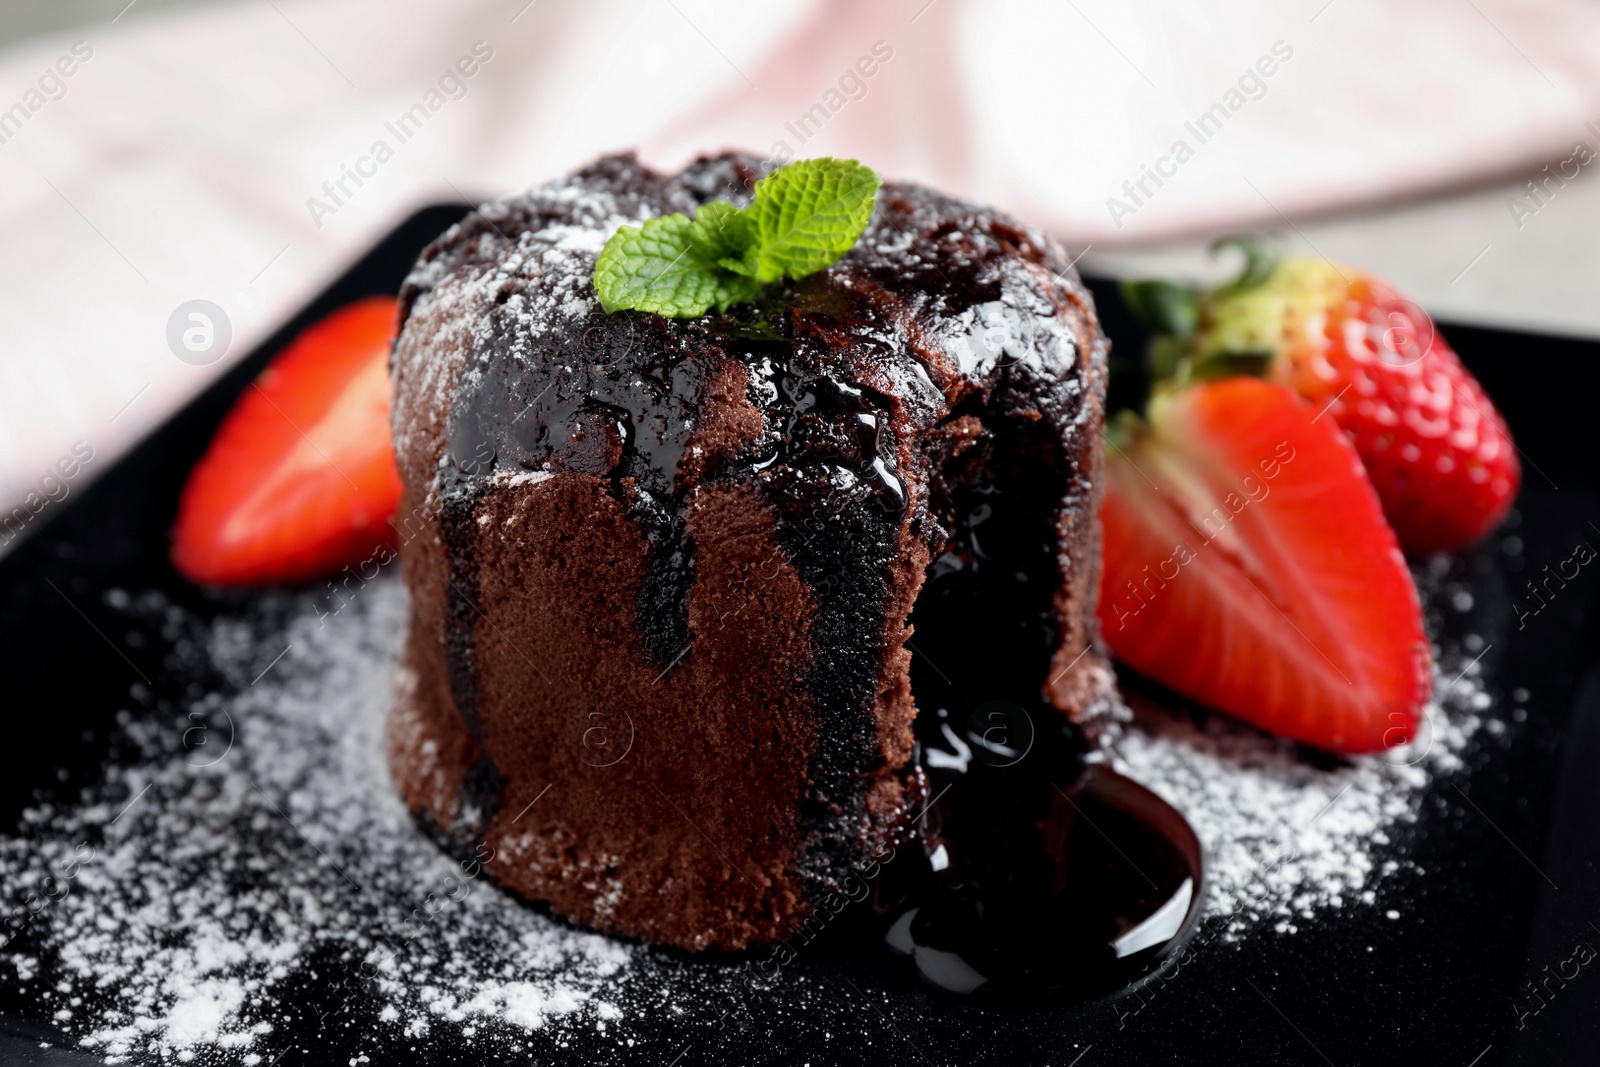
x=244, y=154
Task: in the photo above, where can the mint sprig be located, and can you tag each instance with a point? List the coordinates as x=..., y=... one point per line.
x=804, y=217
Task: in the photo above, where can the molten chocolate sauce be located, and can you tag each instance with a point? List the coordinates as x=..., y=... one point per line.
x=1043, y=874
x=1051, y=879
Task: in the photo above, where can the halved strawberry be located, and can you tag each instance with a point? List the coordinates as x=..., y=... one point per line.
x=1248, y=565
x=300, y=478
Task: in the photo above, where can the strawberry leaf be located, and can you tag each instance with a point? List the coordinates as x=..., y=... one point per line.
x=1259, y=261
x=1162, y=307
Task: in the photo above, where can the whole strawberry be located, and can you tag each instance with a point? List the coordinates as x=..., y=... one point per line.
x=1432, y=443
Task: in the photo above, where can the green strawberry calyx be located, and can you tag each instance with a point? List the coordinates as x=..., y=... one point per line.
x=1204, y=334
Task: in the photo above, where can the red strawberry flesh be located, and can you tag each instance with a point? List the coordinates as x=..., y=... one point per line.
x=1248, y=566
x=300, y=479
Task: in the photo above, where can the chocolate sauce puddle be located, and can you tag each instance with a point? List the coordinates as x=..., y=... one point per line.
x=1049, y=879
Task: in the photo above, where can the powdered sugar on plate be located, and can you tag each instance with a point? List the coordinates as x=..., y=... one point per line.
x=259, y=836
x=246, y=863
x=1287, y=836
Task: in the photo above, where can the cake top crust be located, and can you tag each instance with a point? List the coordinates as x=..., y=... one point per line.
x=941, y=305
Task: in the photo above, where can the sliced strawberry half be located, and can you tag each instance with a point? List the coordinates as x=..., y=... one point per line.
x=300, y=478
x=1248, y=565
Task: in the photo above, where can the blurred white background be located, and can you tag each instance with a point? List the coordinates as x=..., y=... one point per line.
x=205, y=150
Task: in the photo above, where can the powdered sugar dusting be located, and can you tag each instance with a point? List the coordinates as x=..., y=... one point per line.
x=1286, y=838
x=212, y=885
x=208, y=881
x=540, y=280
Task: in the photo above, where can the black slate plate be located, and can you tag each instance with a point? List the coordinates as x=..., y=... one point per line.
x=1513, y=860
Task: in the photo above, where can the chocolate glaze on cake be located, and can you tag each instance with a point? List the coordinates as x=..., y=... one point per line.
x=661, y=570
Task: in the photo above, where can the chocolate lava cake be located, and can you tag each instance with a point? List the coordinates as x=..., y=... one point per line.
x=662, y=571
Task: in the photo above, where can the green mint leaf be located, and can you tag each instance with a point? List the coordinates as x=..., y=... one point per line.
x=806, y=215
x=721, y=232
x=736, y=289
x=803, y=217
x=656, y=268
